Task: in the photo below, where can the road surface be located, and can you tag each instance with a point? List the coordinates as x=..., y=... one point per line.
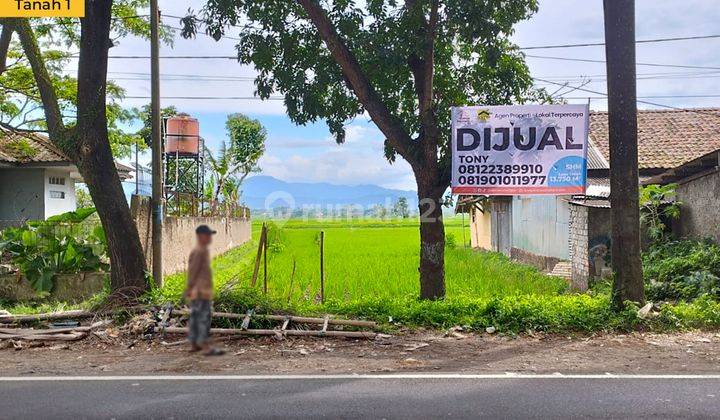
x=371, y=396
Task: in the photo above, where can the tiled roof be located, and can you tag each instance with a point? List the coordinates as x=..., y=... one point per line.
x=37, y=149
x=24, y=148
x=666, y=138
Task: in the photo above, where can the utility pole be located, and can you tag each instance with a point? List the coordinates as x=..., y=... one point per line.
x=624, y=174
x=157, y=147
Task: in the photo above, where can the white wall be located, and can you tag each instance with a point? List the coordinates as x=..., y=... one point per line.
x=22, y=194
x=540, y=225
x=54, y=205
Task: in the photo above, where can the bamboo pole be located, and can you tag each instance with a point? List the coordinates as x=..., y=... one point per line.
x=265, y=247
x=292, y=278
x=261, y=243
x=322, y=266
x=292, y=318
x=305, y=333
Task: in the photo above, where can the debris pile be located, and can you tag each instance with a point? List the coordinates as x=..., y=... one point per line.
x=150, y=323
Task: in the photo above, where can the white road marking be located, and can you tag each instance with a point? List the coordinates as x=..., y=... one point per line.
x=359, y=376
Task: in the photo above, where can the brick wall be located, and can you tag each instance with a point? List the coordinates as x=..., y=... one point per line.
x=699, y=215
x=578, y=246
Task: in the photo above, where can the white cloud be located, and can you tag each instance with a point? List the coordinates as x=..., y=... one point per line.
x=340, y=165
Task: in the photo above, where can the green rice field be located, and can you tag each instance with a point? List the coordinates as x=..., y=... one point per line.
x=368, y=259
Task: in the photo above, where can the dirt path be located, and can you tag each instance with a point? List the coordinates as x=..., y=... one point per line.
x=697, y=352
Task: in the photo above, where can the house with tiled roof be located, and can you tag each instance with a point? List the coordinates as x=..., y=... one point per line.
x=37, y=180
x=571, y=234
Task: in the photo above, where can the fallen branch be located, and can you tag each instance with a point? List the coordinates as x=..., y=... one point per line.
x=73, y=336
x=292, y=318
x=306, y=333
x=57, y=334
x=54, y=316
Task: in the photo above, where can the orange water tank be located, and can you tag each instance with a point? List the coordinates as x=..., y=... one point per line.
x=183, y=135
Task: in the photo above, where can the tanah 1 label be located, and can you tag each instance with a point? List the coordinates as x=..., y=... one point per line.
x=519, y=149
x=42, y=8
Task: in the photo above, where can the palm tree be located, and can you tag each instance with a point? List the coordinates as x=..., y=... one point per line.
x=224, y=180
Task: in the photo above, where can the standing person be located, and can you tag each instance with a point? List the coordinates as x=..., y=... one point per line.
x=200, y=293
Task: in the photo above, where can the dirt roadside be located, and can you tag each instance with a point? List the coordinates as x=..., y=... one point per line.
x=424, y=351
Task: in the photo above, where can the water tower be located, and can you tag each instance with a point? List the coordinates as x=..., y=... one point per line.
x=184, y=160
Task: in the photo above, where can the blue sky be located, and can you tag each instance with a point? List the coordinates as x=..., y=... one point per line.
x=309, y=154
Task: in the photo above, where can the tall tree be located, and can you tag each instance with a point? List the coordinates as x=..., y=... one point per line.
x=402, y=63
x=238, y=160
x=624, y=172
x=86, y=138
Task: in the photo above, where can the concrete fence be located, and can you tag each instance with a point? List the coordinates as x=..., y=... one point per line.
x=179, y=234
x=74, y=287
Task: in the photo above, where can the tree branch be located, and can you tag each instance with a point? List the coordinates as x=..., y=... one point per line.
x=51, y=106
x=21, y=130
x=8, y=26
x=388, y=123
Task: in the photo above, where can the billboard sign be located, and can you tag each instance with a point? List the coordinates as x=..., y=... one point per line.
x=519, y=149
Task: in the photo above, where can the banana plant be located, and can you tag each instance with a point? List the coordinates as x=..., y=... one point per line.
x=61, y=244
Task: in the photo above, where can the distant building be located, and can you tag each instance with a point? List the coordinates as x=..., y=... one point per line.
x=674, y=146
x=37, y=180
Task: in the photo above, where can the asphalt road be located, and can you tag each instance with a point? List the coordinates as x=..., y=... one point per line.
x=367, y=397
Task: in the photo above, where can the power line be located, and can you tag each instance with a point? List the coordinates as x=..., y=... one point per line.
x=647, y=97
x=203, y=98
x=604, y=96
x=587, y=60
x=600, y=44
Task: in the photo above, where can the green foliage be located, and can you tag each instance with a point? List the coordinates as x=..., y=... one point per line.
x=658, y=205
x=21, y=149
x=234, y=162
x=83, y=199
x=20, y=97
x=450, y=241
x=62, y=244
x=683, y=270
x=401, y=209
x=275, y=238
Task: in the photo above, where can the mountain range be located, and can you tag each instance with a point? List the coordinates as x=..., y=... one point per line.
x=266, y=192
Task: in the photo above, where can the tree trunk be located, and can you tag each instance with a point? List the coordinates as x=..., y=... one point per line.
x=432, y=243
x=94, y=157
x=622, y=120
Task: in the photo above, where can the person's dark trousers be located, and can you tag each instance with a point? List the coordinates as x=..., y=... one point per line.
x=200, y=319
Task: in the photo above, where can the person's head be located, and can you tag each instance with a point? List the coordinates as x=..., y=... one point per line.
x=204, y=235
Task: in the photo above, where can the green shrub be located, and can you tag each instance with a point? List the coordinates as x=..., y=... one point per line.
x=62, y=244
x=450, y=241
x=682, y=270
